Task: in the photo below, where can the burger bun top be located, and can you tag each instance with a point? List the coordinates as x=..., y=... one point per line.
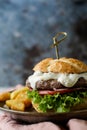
x=62, y=65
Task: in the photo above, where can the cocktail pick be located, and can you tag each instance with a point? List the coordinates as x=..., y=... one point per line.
x=56, y=42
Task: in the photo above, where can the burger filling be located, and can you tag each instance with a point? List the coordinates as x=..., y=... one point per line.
x=53, y=81
x=57, y=91
x=59, y=102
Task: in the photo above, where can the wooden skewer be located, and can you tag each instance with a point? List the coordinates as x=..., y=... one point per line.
x=56, y=42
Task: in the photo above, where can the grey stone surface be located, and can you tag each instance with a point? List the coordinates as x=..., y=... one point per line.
x=26, y=23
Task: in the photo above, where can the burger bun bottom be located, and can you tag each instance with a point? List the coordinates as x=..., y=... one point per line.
x=77, y=107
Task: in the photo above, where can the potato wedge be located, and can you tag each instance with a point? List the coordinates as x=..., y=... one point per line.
x=16, y=92
x=23, y=97
x=4, y=96
x=15, y=105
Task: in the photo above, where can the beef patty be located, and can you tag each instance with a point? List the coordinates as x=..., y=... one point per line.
x=53, y=84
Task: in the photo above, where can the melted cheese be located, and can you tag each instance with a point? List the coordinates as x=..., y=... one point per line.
x=68, y=80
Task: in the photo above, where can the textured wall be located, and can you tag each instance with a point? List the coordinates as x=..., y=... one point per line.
x=26, y=31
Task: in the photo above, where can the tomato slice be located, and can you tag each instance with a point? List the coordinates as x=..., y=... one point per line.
x=60, y=91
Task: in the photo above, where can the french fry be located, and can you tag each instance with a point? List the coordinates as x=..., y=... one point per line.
x=15, y=105
x=4, y=96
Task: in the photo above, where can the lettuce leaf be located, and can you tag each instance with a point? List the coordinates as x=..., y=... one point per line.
x=57, y=102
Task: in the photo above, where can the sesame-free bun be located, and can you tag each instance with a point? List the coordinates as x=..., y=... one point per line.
x=36, y=107
x=62, y=65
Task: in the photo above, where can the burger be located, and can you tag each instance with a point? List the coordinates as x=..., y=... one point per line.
x=58, y=85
